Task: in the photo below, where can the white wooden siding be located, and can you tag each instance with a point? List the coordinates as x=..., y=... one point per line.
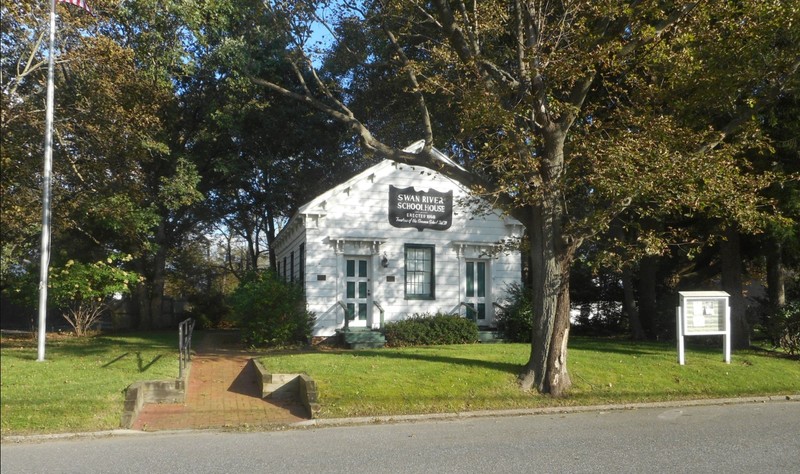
x=352, y=219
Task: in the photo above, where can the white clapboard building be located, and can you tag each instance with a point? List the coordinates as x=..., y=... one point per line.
x=394, y=241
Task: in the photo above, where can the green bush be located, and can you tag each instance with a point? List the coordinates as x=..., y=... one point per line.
x=783, y=327
x=514, y=321
x=429, y=330
x=271, y=312
x=208, y=309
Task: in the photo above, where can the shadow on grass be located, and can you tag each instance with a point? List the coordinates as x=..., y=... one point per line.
x=140, y=363
x=117, y=359
x=619, y=346
x=486, y=364
x=775, y=353
x=99, y=346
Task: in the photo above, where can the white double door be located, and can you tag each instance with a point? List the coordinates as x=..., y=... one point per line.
x=476, y=291
x=357, y=289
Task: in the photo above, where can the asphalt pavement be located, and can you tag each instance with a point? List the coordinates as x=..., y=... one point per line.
x=759, y=437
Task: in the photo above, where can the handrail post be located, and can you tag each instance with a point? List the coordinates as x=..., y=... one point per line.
x=180, y=350
x=185, y=329
x=346, y=320
x=381, y=310
x=189, y=341
x=469, y=308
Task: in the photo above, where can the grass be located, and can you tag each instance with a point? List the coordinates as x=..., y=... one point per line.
x=483, y=376
x=79, y=386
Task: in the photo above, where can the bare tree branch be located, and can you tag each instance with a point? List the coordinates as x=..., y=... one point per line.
x=416, y=90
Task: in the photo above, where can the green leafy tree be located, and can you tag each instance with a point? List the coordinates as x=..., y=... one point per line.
x=570, y=113
x=261, y=158
x=271, y=312
x=122, y=180
x=83, y=291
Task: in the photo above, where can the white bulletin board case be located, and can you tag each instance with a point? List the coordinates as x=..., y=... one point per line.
x=703, y=313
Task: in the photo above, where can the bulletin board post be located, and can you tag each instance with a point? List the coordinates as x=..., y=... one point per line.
x=703, y=313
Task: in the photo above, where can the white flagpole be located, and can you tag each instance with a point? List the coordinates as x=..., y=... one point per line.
x=46, y=179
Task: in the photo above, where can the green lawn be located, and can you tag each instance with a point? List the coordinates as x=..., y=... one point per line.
x=79, y=386
x=483, y=376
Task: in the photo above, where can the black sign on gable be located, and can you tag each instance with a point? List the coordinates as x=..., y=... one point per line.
x=420, y=209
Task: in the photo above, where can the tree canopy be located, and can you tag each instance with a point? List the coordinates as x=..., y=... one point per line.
x=635, y=136
x=157, y=141
x=568, y=113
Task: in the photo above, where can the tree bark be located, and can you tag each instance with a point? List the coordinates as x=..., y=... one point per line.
x=776, y=291
x=273, y=259
x=558, y=379
x=150, y=294
x=546, y=369
x=648, y=307
x=732, y=284
x=629, y=304
x=142, y=318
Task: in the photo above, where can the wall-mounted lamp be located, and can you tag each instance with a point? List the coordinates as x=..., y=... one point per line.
x=384, y=261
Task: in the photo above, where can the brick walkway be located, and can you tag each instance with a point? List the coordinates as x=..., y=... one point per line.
x=221, y=393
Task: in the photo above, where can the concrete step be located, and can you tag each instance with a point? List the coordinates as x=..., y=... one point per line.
x=282, y=386
x=362, y=338
x=490, y=337
x=366, y=345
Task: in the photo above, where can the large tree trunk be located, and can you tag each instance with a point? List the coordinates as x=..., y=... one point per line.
x=732, y=284
x=629, y=304
x=142, y=319
x=157, y=289
x=150, y=294
x=273, y=259
x=558, y=381
x=776, y=291
x=648, y=307
x=546, y=370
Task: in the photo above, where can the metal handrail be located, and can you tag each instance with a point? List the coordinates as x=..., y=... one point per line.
x=185, y=330
x=380, y=308
x=469, y=307
x=498, y=305
x=346, y=319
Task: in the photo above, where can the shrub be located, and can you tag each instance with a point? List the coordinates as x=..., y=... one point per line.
x=83, y=292
x=209, y=309
x=271, y=312
x=783, y=327
x=514, y=321
x=428, y=330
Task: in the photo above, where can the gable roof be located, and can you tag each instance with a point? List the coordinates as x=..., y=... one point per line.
x=375, y=169
x=315, y=207
x=319, y=200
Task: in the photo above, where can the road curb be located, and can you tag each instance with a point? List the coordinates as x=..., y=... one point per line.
x=322, y=422
x=366, y=420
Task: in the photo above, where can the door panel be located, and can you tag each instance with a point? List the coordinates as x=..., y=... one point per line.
x=357, y=290
x=475, y=290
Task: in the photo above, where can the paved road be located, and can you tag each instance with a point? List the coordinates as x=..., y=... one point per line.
x=753, y=437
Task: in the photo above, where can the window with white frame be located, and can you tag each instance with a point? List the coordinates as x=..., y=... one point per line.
x=420, y=282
